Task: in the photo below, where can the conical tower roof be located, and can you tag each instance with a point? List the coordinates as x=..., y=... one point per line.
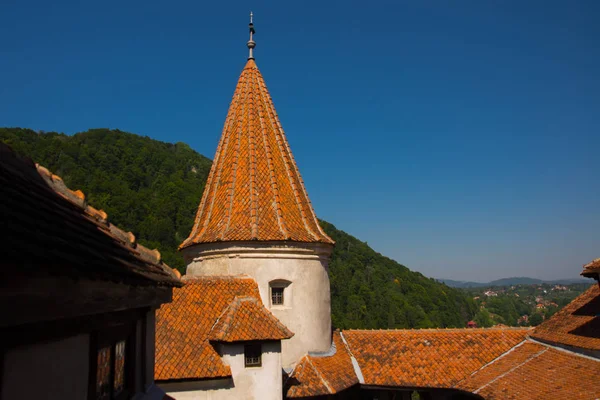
x=254, y=190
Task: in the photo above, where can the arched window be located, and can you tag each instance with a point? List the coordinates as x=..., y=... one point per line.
x=280, y=293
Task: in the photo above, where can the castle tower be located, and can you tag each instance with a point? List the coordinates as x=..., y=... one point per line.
x=255, y=218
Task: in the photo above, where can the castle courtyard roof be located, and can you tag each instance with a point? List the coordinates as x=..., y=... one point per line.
x=536, y=371
x=325, y=374
x=254, y=190
x=220, y=308
x=433, y=358
x=559, y=358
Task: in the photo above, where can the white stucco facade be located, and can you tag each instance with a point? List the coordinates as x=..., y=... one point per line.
x=302, y=268
x=264, y=382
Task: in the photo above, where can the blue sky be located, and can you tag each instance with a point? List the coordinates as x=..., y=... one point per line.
x=461, y=140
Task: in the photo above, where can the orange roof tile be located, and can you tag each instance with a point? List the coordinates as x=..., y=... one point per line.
x=577, y=324
x=535, y=371
x=61, y=233
x=254, y=190
x=591, y=269
x=247, y=319
x=183, y=327
x=311, y=382
x=514, y=357
x=320, y=375
x=427, y=357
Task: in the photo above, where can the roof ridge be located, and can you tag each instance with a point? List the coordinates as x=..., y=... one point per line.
x=192, y=278
x=221, y=148
x=274, y=184
x=493, y=361
x=318, y=373
x=295, y=167
x=507, y=328
x=555, y=347
x=78, y=199
x=353, y=360
x=272, y=115
x=252, y=167
x=536, y=355
x=225, y=327
x=232, y=187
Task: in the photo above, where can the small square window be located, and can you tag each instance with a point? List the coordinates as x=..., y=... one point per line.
x=252, y=355
x=277, y=296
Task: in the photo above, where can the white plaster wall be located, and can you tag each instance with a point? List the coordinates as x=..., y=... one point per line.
x=308, y=311
x=55, y=370
x=263, y=382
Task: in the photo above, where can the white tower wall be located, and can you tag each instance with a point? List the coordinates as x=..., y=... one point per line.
x=301, y=268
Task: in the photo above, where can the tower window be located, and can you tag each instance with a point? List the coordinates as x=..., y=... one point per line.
x=281, y=293
x=277, y=296
x=252, y=355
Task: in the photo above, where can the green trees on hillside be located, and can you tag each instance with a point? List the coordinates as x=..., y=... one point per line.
x=148, y=187
x=153, y=189
x=369, y=290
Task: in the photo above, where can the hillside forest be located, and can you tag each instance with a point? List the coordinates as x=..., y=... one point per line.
x=152, y=189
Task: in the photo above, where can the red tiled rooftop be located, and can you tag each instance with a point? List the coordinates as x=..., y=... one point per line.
x=311, y=383
x=323, y=375
x=577, y=324
x=536, y=371
x=247, y=319
x=254, y=190
x=436, y=358
x=183, y=327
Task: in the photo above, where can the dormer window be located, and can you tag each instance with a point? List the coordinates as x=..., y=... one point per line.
x=280, y=292
x=252, y=355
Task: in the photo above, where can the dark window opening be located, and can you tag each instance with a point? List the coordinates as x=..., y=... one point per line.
x=277, y=296
x=252, y=355
x=111, y=365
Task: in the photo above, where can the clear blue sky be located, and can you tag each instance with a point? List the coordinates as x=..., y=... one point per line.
x=461, y=140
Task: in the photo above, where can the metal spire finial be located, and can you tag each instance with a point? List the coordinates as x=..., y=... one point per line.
x=251, y=44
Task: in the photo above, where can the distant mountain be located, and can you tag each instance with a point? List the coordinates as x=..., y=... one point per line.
x=511, y=282
x=515, y=281
x=461, y=284
x=153, y=189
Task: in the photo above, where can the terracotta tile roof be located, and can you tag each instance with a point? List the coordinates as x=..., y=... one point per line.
x=514, y=357
x=183, y=327
x=322, y=375
x=536, y=371
x=591, y=269
x=62, y=234
x=427, y=357
x=254, y=190
x=577, y=324
x=247, y=319
x=312, y=383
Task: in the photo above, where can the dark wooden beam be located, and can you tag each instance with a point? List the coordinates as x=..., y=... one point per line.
x=27, y=300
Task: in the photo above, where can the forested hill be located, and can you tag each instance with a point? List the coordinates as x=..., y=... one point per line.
x=153, y=188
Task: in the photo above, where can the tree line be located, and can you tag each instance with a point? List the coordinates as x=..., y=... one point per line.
x=153, y=189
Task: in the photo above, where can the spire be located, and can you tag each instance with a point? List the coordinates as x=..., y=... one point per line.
x=251, y=44
x=254, y=190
